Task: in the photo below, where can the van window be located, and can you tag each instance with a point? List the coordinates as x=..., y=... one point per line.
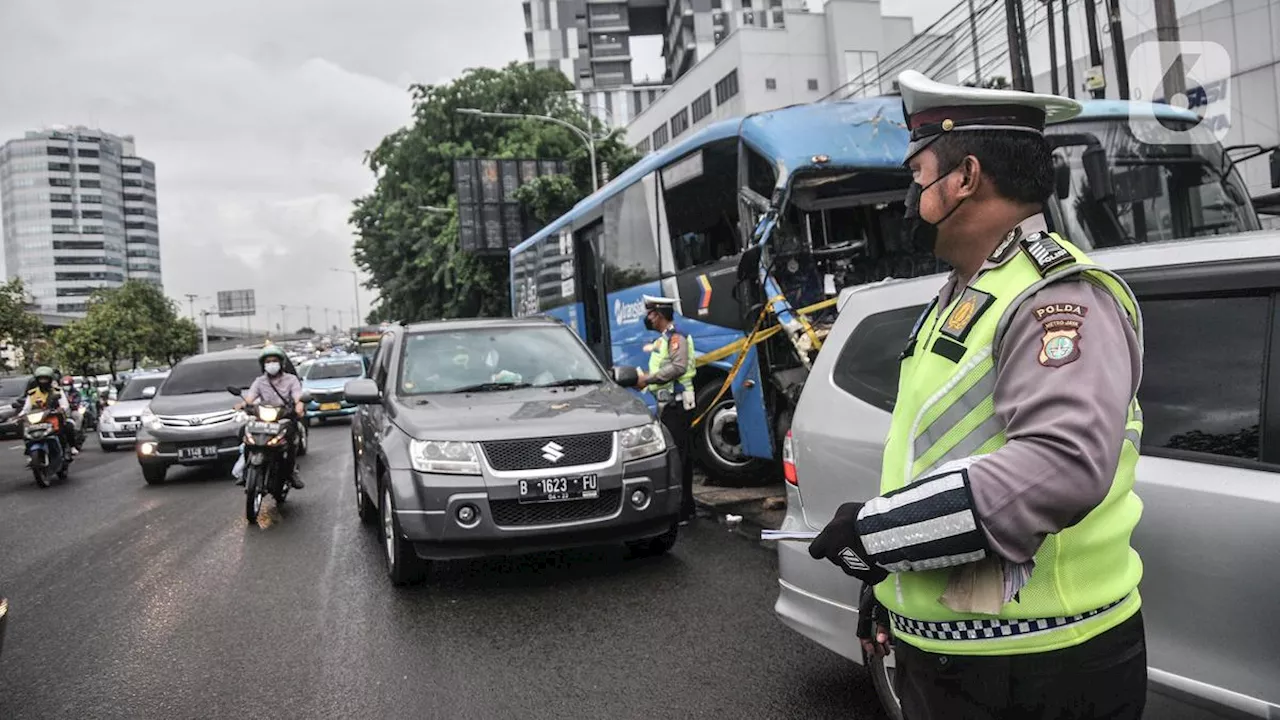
x=701, y=196
x=868, y=364
x=1202, y=374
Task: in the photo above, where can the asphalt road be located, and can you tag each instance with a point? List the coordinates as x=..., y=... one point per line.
x=131, y=601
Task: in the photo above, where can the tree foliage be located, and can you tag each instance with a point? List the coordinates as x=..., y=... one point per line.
x=21, y=327
x=133, y=322
x=410, y=253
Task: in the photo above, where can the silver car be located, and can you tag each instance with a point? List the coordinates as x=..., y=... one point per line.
x=496, y=437
x=118, y=426
x=1209, y=476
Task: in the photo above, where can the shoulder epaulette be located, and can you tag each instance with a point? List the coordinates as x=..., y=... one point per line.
x=1045, y=252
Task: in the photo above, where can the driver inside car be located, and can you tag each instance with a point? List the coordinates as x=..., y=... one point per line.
x=284, y=390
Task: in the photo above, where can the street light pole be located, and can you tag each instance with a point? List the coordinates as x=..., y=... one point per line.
x=582, y=134
x=355, y=286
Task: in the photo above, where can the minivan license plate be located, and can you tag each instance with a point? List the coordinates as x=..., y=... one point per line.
x=556, y=489
x=201, y=452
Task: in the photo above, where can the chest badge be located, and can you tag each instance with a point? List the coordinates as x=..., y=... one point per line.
x=973, y=303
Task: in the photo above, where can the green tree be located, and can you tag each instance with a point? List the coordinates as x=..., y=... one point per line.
x=182, y=339
x=77, y=350
x=20, y=326
x=409, y=253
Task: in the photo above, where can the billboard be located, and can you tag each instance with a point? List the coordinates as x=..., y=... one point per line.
x=490, y=219
x=235, y=303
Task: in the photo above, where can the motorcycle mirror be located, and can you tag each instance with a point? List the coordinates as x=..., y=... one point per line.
x=234, y=390
x=305, y=396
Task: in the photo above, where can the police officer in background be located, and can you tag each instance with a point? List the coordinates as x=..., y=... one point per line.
x=670, y=379
x=999, y=548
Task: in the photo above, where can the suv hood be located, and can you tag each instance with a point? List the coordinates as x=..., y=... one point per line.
x=526, y=413
x=127, y=408
x=193, y=404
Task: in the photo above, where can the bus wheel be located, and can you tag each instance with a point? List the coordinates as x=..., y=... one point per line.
x=718, y=446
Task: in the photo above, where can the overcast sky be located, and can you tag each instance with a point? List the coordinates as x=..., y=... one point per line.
x=257, y=114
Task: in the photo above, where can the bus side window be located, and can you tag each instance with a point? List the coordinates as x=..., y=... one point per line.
x=701, y=198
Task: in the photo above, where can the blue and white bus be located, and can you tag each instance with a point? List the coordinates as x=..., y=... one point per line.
x=819, y=189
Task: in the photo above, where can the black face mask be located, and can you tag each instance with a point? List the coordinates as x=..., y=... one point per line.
x=919, y=234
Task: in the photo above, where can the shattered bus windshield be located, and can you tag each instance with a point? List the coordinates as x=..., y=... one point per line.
x=1158, y=190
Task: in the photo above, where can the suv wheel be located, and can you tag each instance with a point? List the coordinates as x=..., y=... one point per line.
x=154, y=474
x=364, y=507
x=882, y=671
x=404, y=567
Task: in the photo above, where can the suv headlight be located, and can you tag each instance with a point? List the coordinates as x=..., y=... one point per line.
x=642, y=442
x=150, y=421
x=448, y=456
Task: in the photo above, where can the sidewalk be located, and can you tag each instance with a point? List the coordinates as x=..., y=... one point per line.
x=759, y=507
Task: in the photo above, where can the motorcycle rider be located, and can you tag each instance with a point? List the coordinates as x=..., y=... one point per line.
x=75, y=401
x=277, y=387
x=45, y=394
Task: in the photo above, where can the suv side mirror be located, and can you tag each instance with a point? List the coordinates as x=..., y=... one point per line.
x=625, y=376
x=362, y=392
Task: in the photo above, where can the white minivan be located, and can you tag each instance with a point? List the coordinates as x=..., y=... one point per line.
x=1209, y=476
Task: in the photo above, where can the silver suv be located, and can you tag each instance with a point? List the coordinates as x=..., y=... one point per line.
x=486, y=437
x=1209, y=475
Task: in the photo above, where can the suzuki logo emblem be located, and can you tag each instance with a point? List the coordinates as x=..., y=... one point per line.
x=552, y=451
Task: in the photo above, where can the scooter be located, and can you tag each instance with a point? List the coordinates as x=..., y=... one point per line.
x=40, y=434
x=266, y=444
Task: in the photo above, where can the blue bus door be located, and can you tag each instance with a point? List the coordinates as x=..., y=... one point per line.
x=595, y=331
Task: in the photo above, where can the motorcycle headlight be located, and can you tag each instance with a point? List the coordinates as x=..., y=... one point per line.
x=35, y=417
x=450, y=457
x=150, y=421
x=268, y=414
x=642, y=442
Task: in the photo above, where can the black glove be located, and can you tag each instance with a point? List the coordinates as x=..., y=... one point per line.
x=839, y=543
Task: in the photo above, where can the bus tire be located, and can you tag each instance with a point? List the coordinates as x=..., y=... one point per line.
x=716, y=445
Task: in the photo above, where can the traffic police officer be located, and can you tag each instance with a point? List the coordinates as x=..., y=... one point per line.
x=999, y=548
x=670, y=379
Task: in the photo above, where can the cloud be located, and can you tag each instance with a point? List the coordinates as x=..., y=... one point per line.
x=257, y=116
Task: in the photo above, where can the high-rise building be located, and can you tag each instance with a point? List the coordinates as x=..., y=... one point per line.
x=590, y=41
x=79, y=210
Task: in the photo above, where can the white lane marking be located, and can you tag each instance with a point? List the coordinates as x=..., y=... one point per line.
x=18, y=447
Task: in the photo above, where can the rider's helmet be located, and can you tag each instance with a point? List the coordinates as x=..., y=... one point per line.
x=44, y=376
x=272, y=351
x=68, y=381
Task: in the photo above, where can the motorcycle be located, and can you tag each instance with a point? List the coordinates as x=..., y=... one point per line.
x=40, y=434
x=267, y=442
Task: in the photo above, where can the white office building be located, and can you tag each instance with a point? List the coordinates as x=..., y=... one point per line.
x=79, y=213
x=792, y=57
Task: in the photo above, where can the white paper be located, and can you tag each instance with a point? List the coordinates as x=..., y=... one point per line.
x=788, y=534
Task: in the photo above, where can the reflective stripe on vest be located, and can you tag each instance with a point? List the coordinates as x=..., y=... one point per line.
x=946, y=412
x=658, y=358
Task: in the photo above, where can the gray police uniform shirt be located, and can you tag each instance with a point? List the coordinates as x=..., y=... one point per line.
x=677, y=361
x=1064, y=422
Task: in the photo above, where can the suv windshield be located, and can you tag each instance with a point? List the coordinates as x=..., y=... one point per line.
x=14, y=386
x=490, y=359
x=133, y=391
x=1162, y=187
x=206, y=376
x=334, y=370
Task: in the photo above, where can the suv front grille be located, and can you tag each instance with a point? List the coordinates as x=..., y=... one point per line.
x=513, y=513
x=549, y=452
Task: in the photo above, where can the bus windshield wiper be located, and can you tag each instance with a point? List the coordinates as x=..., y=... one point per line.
x=490, y=386
x=572, y=382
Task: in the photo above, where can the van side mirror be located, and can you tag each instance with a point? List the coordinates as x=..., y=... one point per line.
x=1097, y=173
x=625, y=376
x=362, y=392
x=1275, y=168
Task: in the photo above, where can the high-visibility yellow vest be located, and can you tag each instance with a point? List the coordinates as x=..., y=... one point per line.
x=659, y=356
x=945, y=411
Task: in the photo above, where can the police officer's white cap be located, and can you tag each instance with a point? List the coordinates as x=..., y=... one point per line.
x=933, y=109
x=654, y=302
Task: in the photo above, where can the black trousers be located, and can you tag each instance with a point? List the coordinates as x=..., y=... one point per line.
x=677, y=421
x=1102, y=678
